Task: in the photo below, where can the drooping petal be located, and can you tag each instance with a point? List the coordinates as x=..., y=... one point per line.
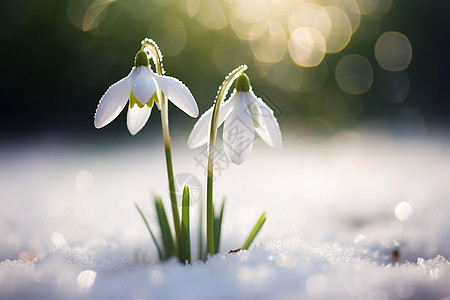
x=270, y=131
x=137, y=117
x=200, y=133
x=143, y=85
x=178, y=94
x=252, y=104
x=113, y=101
x=226, y=107
x=238, y=131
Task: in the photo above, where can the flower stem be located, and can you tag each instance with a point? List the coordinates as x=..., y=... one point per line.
x=223, y=90
x=154, y=52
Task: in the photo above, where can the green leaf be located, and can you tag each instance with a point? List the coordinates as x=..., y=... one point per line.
x=218, y=228
x=149, y=230
x=169, y=246
x=255, y=231
x=200, y=232
x=185, y=233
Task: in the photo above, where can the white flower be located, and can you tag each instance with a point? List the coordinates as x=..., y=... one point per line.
x=140, y=88
x=243, y=114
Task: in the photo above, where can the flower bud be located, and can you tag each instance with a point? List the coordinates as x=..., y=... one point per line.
x=243, y=83
x=141, y=59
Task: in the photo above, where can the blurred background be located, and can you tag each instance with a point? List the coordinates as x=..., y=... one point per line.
x=322, y=65
x=359, y=87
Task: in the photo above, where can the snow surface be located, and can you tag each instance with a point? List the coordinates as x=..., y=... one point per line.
x=362, y=215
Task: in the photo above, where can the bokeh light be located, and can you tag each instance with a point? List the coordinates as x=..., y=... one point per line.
x=393, y=86
x=354, y=74
x=58, y=239
x=211, y=15
x=312, y=16
x=403, y=211
x=382, y=7
x=84, y=180
x=367, y=7
x=341, y=30
x=285, y=260
x=86, y=280
x=307, y=47
x=393, y=51
x=351, y=9
x=94, y=14
x=192, y=7
x=271, y=46
x=297, y=51
x=249, y=19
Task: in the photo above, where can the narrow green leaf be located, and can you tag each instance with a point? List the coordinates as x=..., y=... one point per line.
x=200, y=231
x=185, y=233
x=255, y=231
x=169, y=246
x=218, y=227
x=149, y=230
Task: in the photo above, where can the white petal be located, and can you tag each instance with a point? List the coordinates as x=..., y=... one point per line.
x=137, y=117
x=226, y=108
x=238, y=132
x=270, y=131
x=200, y=133
x=113, y=101
x=143, y=85
x=178, y=94
x=252, y=103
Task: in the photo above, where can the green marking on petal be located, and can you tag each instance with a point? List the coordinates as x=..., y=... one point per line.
x=253, y=118
x=141, y=59
x=243, y=83
x=152, y=100
x=134, y=101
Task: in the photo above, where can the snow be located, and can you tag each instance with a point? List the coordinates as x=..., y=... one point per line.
x=362, y=215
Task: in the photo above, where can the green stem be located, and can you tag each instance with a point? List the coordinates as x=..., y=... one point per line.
x=223, y=90
x=153, y=49
x=185, y=226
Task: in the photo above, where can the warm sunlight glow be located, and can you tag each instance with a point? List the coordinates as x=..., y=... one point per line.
x=271, y=46
x=341, y=30
x=310, y=15
x=307, y=47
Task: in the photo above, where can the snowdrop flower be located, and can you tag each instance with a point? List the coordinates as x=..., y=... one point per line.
x=243, y=114
x=139, y=87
